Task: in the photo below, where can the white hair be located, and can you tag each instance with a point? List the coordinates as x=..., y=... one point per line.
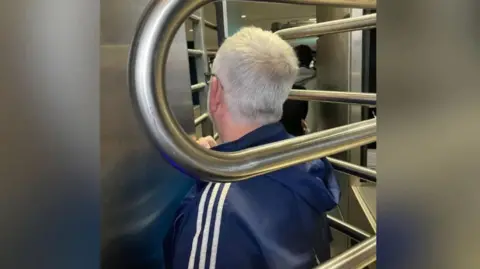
x=257, y=70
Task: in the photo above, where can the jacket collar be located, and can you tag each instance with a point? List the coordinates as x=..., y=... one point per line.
x=260, y=136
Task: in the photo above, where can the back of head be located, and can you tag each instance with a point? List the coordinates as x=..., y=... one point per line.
x=304, y=54
x=257, y=69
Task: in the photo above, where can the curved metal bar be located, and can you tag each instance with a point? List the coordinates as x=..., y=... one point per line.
x=366, y=99
x=350, y=230
x=153, y=38
x=358, y=256
x=216, y=136
x=201, y=119
x=330, y=27
x=354, y=170
x=198, y=86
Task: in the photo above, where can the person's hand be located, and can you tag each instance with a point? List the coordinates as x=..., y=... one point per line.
x=207, y=142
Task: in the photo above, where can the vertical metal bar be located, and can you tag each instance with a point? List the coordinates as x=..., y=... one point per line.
x=221, y=21
x=201, y=64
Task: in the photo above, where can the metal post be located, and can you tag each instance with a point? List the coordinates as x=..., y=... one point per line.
x=201, y=64
x=221, y=14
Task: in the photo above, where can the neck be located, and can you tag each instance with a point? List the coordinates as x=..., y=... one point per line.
x=232, y=131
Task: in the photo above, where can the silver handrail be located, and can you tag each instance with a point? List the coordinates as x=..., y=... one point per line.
x=356, y=257
x=158, y=26
x=366, y=99
x=351, y=231
x=193, y=52
x=201, y=119
x=210, y=25
x=198, y=86
x=330, y=27
x=354, y=170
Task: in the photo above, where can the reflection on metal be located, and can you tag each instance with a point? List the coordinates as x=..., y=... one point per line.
x=197, y=18
x=193, y=52
x=365, y=195
x=354, y=170
x=198, y=86
x=347, y=229
x=216, y=136
x=358, y=256
x=153, y=38
x=200, y=119
x=330, y=27
x=367, y=99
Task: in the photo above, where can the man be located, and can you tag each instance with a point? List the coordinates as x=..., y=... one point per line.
x=268, y=221
x=306, y=79
x=306, y=75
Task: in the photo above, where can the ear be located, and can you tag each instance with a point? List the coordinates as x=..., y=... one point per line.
x=216, y=95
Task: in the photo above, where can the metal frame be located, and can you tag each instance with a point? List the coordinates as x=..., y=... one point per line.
x=162, y=19
x=358, y=256
x=354, y=170
x=330, y=27
x=347, y=229
x=153, y=38
x=366, y=99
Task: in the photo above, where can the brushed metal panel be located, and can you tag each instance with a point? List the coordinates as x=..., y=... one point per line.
x=140, y=190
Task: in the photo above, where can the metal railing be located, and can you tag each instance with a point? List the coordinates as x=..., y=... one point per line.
x=201, y=118
x=354, y=170
x=158, y=26
x=198, y=86
x=193, y=52
x=162, y=19
x=208, y=24
x=330, y=27
x=358, y=256
x=366, y=99
x=347, y=229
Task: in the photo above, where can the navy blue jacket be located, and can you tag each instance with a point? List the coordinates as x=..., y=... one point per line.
x=276, y=220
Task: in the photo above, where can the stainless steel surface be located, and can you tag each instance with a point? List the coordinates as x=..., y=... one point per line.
x=366, y=99
x=197, y=18
x=200, y=119
x=202, y=67
x=162, y=19
x=211, y=53
x=198, y=86
x=216, y=136
x=366, y=197
x=193, y=52
x=330, y=27
x=354, y=170
x=348, y=229
x=137, y=184
x=357, y=257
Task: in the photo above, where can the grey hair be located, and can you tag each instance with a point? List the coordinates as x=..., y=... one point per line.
x=257, y=70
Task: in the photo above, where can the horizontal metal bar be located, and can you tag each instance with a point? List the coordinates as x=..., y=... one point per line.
x=153, y=37
x=208, y=24
x=358, y=256
x=366, y=99
x=347, y=229
x=198, y=86
x=193, y=52
x=354, y=170
x=201, y=119
x=211, y=53
x=330, y=27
